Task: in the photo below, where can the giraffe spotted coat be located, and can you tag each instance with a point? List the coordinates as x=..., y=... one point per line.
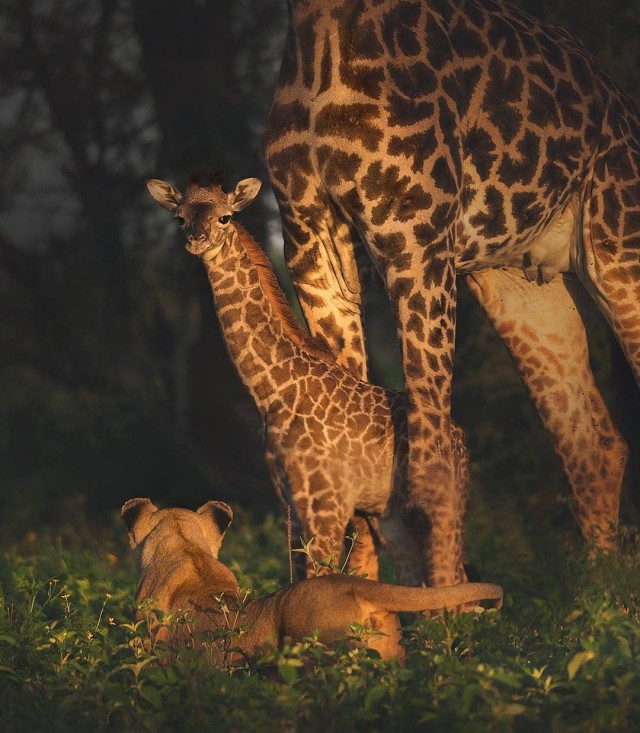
x=463, y=137
x=334, y=444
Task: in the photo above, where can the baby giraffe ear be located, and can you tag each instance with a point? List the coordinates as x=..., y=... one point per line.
x=137, y=515
x=244, y=194
x=164, y=193
x=215, y=518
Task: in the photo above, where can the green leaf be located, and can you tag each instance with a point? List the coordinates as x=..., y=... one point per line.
x=624, y=648
x=288, y=672
x=512, y=709
x=139, y=666
x=172, y=677
x=375, y=693
x=578, y=661
x=152, y=695
x=574, y=615
x=510, y=679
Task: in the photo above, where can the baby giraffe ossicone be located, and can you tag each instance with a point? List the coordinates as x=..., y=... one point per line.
x=334, y=445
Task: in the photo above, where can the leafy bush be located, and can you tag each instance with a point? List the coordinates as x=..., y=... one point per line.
x=562, y=655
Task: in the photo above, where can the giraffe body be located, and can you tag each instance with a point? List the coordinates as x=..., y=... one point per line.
x=334, y=444
x=463, y=138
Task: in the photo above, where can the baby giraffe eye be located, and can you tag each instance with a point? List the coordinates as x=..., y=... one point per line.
x=225, y=219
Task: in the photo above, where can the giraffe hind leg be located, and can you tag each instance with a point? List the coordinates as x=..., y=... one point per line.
x=542, y=327
x=608, y=260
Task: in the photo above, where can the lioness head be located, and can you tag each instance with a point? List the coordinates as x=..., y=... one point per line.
x=206, y=525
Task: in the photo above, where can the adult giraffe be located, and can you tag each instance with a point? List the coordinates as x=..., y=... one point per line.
x=463, y=137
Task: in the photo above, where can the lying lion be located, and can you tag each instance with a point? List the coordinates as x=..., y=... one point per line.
x=178, y=568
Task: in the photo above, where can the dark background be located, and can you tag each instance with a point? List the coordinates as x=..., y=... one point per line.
x=115, y=382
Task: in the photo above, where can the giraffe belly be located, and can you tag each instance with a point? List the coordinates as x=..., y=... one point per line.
x=540, y=257
x=364, y=472
x=374, y=490
x=339, y=443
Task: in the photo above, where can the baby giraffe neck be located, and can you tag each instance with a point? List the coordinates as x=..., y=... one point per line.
x=258, y=326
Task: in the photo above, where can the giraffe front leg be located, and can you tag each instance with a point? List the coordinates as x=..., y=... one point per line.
x=325, y=261
x=362, y=556
x=404, y=532
x=423, y=295
x=542, y=327
x=404, y=547
x=607, y=262
x=318, y=532
x=322, y=253
x=325, y=530
x=462, y=477
x=320, y=515
x=289, y=489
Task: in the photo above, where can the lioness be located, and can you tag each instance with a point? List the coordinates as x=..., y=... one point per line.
x=177, y=562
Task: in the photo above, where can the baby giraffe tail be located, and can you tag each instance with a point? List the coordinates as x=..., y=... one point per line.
x=402, y=598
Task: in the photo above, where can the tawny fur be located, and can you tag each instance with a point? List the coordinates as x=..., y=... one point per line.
x=178, y=570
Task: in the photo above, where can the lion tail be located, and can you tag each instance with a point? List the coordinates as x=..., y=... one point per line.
x=403, y=598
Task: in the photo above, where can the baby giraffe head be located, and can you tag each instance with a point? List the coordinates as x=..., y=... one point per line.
x=204, y=212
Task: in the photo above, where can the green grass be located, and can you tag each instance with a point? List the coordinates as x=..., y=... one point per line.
x=562, y=655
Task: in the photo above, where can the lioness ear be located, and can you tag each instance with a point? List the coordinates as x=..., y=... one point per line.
x=164, y=193
x=215, y=518
x=137, y=514
x=244, y=194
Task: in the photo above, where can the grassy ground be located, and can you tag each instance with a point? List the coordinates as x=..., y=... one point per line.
x=562, y=655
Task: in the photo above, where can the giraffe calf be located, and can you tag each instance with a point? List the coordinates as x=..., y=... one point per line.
x=335, y=445
x=178, y=569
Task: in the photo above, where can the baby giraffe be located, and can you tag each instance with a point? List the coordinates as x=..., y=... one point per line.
x=334, y=445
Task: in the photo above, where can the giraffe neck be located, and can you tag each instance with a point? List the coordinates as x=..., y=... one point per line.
x=259, y=328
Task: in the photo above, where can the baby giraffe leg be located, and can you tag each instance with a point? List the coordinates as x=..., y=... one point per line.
x=360, y=546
